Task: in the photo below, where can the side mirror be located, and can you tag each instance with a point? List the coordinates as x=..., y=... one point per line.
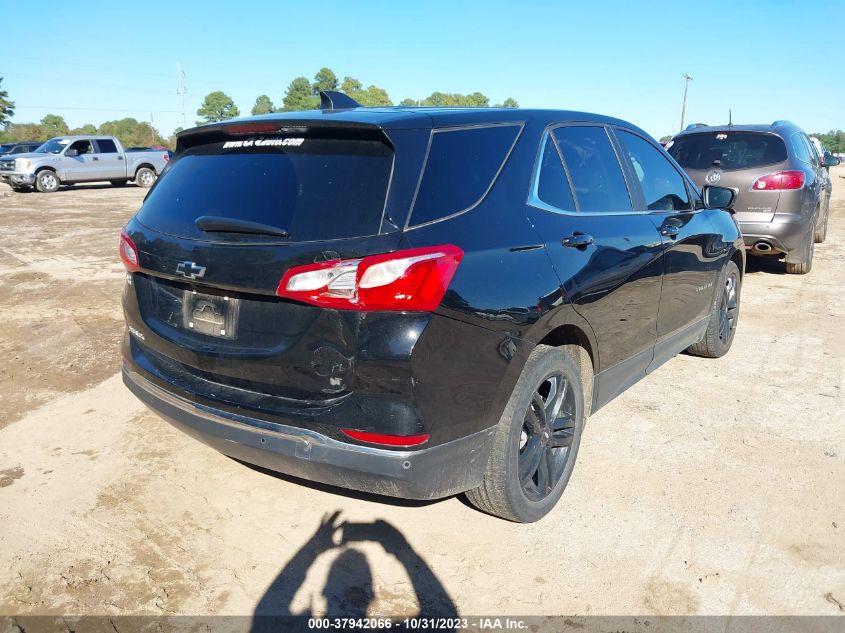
x=72, y=152
x=718, y=197
x=830, y=160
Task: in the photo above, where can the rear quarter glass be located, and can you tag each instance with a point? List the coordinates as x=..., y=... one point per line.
x=460, y=168
x=319, y=189
x=733, y=150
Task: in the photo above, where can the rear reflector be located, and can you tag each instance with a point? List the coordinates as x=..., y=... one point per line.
x=414, y=279
x=128, y=253
x=779, y=181
x=387, y=440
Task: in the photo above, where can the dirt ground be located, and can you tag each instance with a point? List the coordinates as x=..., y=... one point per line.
x=711, y=487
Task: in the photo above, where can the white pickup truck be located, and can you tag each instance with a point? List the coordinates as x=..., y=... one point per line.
x=72, y=159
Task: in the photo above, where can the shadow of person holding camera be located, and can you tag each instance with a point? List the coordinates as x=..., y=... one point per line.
x=348, y=590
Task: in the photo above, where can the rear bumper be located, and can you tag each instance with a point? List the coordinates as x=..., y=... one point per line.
x=429, y=473
x=17, y=179
x=786, y=233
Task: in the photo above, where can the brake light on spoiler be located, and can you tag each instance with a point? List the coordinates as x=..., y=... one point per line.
x=413, y=279
x=779, y=181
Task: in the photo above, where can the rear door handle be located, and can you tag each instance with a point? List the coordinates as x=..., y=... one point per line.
x=578, y=240
x=669, y=230
x=95, y=158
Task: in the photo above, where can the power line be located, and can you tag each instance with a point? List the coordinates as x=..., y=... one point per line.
x=59, y=108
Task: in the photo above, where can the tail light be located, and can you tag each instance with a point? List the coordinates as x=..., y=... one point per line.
x=129, y=253
x=166, y=157
x=387, y=440
x=413, y=279
x=779, y=180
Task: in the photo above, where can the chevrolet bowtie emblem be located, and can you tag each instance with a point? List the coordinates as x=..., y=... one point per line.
x=190, y=270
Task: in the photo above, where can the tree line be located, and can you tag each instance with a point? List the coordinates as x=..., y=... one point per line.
x=304, y=94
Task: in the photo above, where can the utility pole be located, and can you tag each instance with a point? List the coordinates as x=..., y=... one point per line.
x=152, y=130
x=687, y=79
x=180, y=90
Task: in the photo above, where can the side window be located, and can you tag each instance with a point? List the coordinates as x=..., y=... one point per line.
x=593, y=168
x=663, y=187
x=552, y=186
x=83, y=147
x=461, y=166
x=798, y=146
x=20, y=149
x=106, y=146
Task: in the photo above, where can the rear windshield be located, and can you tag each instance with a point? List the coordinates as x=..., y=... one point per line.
x=732, y=150
x=314, y=189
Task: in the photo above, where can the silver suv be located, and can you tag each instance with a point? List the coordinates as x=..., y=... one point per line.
x=781, y=200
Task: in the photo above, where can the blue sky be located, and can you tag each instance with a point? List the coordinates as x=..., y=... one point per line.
x=96, y=61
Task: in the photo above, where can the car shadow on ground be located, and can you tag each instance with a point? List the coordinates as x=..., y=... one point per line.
x=766, y=264
x=67, y=188
x=348, y=591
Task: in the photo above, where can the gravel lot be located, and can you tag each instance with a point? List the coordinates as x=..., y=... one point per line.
x=711, y=487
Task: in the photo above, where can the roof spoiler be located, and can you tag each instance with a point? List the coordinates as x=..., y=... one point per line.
x=334, y=100
x=693, y=126
x=781, y=122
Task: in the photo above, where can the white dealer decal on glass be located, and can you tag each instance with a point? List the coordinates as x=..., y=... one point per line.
x=265, y=142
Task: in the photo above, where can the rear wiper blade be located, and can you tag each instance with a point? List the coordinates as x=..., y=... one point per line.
x=215, y=224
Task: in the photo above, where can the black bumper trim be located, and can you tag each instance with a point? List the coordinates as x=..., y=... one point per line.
x=430, y=473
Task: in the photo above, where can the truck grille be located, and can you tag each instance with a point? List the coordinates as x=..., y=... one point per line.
x=7, y=165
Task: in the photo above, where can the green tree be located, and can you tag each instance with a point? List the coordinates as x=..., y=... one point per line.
x=131, y=132
x=407, y=102
x=23, y=132
x=476, y=99
x=371, y=96
x=351, y=85
x=665, y=139
x=325, y=79
x=300, y=96
x=87, y=129
x=53, y=125
x=263, y=105
x=7, y=107
x=510, y=102
x=217, y=106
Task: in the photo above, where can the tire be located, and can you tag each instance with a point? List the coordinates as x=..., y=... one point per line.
x=47, y=181
x=802, y=268
x=509, y=489
x=118, y=183
x=724, y=315
x=145, y=177
x=820, y=234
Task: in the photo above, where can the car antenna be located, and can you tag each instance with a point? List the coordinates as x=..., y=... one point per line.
x=730, y=119
x=334, y=100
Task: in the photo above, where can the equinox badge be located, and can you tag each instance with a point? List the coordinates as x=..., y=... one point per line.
x=190, y=270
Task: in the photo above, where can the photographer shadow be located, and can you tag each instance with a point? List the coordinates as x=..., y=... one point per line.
x=349, y=590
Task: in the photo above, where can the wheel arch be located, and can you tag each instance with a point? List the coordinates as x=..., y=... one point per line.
x=148, y=166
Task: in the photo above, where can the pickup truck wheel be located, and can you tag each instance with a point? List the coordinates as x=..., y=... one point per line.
x=145, y=177
x=118, y=183
x=724, y=315
x=47, y=181
x=536, y=440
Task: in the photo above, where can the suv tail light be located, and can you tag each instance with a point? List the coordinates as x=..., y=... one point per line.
x=779, y=180
x=129, y=253
x=413, y=279
x=166, y=157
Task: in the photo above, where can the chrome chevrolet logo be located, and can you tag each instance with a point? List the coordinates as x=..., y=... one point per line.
x=190, y=270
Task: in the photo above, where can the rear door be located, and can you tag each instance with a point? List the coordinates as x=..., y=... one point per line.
x=734, y=160
x=693, y=251
x=205, y=303
x=111, y=165
x=607, y=254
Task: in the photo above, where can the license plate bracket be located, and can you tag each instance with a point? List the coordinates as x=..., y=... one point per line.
x=212, y=315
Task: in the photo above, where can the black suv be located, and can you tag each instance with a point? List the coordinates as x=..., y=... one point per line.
x=19, y=147
x=419, y=302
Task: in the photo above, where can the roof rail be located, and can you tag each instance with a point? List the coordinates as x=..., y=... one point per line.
x=692, y=126
x=334, y=100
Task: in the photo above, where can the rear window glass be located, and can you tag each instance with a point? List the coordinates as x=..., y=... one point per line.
x=732, y=150
x=315, y=189
x=552, y=185
x=106, y=146
x=460, y=169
